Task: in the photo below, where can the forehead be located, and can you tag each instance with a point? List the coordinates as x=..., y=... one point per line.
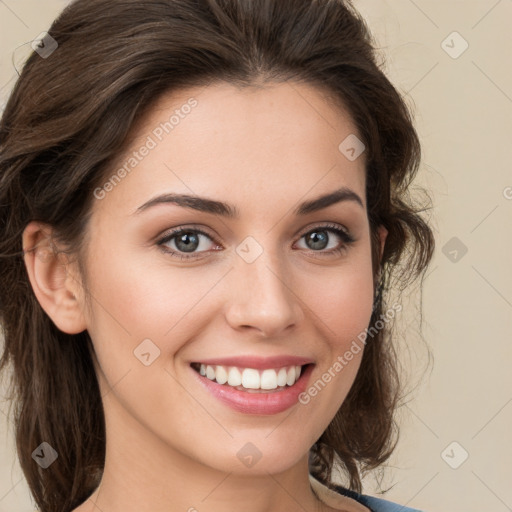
x=271, y=143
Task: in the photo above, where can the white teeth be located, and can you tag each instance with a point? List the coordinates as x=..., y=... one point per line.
x=281, y=377
x=221, y=375
x=210, y=372
x=234, y=377
x=268, y=379
x=290, y=379
x=250, y=378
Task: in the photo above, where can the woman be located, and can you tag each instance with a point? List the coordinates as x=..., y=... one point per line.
x=202, y=206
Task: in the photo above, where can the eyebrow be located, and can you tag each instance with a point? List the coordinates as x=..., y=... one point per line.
x=204, y=204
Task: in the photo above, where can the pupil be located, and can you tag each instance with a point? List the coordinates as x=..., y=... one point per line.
x=188, y=245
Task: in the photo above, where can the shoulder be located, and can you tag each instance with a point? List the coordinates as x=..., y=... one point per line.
x=369, y=502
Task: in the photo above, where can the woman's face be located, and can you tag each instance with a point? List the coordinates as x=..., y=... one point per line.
x=260, y=283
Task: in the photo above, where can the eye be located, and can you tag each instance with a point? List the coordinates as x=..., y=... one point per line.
x=318, y=239
x=185, y=242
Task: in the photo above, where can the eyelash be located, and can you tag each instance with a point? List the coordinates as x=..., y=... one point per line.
x=345, y=236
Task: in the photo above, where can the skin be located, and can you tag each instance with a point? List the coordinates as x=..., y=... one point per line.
x=171, y=446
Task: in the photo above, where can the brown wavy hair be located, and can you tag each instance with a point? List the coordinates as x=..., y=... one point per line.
x=68, y=119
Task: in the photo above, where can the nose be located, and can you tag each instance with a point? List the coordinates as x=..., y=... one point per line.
x=262, y=297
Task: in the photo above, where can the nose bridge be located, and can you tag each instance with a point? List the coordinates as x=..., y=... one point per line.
x=263, y=296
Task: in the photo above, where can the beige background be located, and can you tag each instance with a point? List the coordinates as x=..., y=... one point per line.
x=463, y=109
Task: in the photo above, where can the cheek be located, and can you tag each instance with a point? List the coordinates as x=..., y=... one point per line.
x=347, y=313
x=133, y=301
x=343, y=300
x=344, y=310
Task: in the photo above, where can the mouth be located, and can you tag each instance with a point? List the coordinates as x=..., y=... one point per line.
x=263, y=390
x=252, y=380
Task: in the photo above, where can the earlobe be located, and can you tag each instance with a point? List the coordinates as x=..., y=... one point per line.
x=383, y=233
x=52, y=279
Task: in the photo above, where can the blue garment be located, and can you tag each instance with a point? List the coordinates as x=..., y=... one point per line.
x=374, y=504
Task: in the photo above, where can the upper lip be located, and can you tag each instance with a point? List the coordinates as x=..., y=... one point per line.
x=257, y=362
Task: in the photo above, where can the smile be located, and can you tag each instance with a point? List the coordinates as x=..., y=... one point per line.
x=251, y=379
x=263, y=391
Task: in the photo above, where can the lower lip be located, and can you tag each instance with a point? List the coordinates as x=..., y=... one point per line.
x=272, y=402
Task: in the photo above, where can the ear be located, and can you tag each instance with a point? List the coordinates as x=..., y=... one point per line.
x=383, y=233
x=53, y=278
